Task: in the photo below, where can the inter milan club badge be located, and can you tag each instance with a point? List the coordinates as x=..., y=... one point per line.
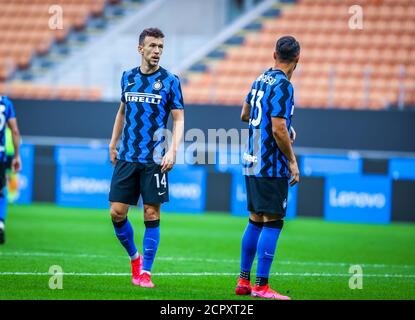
x=157, y=85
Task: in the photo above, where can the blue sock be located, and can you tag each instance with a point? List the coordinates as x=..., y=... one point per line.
x=249, y=247
x=150, y=243
x=125, y=233
x=3, y=205
x=267, y=244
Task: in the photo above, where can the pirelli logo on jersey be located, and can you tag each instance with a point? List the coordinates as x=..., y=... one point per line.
x=143, y=97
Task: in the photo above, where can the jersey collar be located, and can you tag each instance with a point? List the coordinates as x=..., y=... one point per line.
x=148, y=74
x=277, y=71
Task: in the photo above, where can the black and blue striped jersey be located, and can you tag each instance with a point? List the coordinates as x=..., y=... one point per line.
x=271, y=95
x=148, y=100
x=6, y=113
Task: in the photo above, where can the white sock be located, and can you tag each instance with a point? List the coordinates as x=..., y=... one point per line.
x=145, y=271
x=1, y=225
x=134, y=256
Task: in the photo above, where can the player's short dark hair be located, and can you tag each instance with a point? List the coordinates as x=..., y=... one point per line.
x=287, y=49
x=150, y=32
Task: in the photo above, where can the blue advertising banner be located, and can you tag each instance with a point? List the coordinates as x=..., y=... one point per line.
x=228, y=162
x=83, y=185
x=362, y=199
x=238, y=195
x=402, y=168
x=83, y=177
x=314, y=165
x=187, y=190
x=81, y=154
x=292, y=202
x=239, y=201
x=25, y=176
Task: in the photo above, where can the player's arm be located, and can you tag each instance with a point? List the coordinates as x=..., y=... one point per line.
x=293, y=134
x=116, y=133
x=246, y=111
x=283, y=109
x=282, y=137
x=178, y=128
x=17, y=162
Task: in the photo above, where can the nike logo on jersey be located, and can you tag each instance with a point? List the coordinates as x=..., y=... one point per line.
x=161, y=193
x=130, y=84
x=250, y=158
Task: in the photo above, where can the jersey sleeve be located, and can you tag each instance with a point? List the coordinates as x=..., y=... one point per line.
x=10, y=114
x=281, y=101
x=176, y=96
x=122, y=88
x=249, y=95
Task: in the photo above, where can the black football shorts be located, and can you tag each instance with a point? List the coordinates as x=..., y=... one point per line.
x=267, y=195
x=3, y=178
x=132, y=179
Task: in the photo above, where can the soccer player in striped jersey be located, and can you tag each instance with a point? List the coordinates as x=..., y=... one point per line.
x=269, y=166
x=149, y=94
x=7, y=117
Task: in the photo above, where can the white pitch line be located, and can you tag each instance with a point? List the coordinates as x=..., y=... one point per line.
x=300, y=263
x=209, y=260
x=52, y=254
x=198, y=274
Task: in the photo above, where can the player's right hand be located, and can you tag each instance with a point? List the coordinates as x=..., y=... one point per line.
x=294, y=173
x=293, y=134
x=16, y=164
x=168, y=161
x=113, y=155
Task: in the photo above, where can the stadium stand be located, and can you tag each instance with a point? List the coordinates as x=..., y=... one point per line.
x=367, y=68
x=39, y=62
x=26, y=34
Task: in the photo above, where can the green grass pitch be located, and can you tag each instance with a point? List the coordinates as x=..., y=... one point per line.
x=198, y=257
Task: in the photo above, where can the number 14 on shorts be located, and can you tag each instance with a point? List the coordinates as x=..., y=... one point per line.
x=162, y=181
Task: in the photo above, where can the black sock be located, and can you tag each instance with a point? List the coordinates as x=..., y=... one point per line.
x=245, y=275
x=261, y=281
x=119, y=224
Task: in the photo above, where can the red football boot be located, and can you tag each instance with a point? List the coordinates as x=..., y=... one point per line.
x=267, y=293
x=243, y=287
x=136, y=266
x=145, y=280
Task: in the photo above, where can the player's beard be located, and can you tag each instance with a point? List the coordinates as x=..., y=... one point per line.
x=154, y=63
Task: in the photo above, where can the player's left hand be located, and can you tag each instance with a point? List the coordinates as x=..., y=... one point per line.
x=294, y=173
x=16, y=164
x=293, y=134
x=113, y=154
x=168, y=161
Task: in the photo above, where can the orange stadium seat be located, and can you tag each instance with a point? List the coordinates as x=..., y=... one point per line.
x=97, y=7
x=39, y=91
x=339, y=66
x=6, y=68
x=25, y=32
